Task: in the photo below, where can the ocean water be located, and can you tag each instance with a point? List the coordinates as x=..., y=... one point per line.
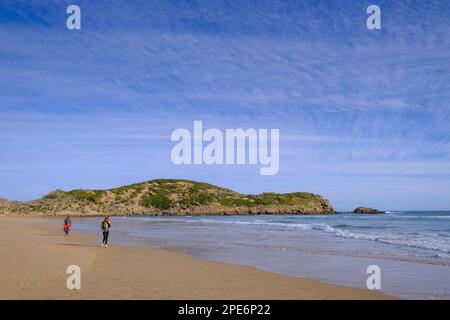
x=412, y=249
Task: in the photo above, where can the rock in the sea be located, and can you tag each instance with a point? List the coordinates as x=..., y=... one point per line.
x=365, y=210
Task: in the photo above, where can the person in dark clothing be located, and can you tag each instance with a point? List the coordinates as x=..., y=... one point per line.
x=67, y=225
x=105, y=226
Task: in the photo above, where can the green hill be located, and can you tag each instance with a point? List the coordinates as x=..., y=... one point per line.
x=168, y=197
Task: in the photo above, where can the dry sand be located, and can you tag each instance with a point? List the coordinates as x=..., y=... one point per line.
x=34, y=256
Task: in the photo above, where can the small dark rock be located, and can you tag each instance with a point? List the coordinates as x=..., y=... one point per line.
x=364, y=210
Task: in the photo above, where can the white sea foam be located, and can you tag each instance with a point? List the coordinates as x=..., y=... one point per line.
x=420, y=241
x=422, y=217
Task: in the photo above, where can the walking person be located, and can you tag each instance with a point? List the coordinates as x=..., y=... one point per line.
x=105, y=226
x=67, y=225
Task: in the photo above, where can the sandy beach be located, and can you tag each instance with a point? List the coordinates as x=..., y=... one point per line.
x=35, y=254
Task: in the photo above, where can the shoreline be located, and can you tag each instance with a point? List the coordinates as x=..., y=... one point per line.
x=38, y=254
x=88, y=215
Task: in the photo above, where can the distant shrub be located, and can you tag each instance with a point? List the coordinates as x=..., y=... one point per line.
x=119, y=191
x=202, y=198
x=98, y=195
x=264, y=201
x=196, y=199
x=269, y=198
x=201, y=185
x=50, y=196
x=236, y=202
x=174, y=181
x=135, y=193
x=82, y=195
x=158, y=200
x=91, y=196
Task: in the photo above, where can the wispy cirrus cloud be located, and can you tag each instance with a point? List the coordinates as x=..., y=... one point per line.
x=348, y=100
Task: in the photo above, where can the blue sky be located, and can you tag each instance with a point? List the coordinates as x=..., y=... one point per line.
x=364, y=116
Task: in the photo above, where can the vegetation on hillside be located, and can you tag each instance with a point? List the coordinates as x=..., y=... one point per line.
x=171, y=196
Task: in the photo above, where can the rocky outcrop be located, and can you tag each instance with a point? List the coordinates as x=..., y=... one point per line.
x=169, y=197
x=364, y=210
